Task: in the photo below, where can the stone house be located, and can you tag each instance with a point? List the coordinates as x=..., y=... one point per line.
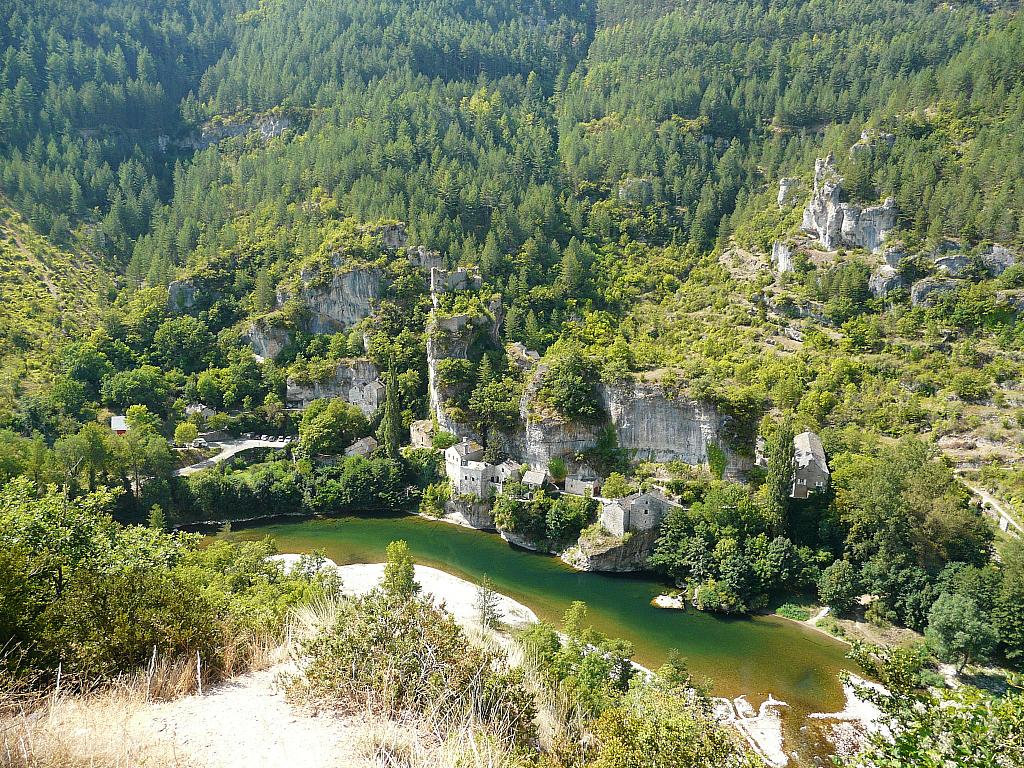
x=458, y=459
x=810, y=473
x=198, y=409
x=640, y=511
x=421, y=433
x=521, y=356
x=585, y=482
x=535, y=479
x=364, y=446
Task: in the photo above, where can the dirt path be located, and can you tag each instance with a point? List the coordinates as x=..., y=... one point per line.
x=247, y=723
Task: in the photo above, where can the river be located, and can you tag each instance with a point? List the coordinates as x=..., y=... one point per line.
x=751, y=656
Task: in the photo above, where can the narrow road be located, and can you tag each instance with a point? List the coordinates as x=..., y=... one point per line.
x=229, y=448
x=998, y=509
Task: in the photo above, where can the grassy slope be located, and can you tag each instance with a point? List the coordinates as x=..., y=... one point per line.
x=46, y=294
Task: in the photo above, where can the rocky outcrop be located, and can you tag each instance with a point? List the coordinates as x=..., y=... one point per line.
x=870, y=140
x=782, y=257
x=954, y=265
x=997, y=259
x=612, y=554
x=181, y=296
x=338, y=300
x=471, y=512
x=636, y=191
x=787, y=191
x=356, y=381
x=658, y=427
x=883, y=280
x=835, y=223
x=265, y=127
x=895, y=254
x=266, y=340
x=926, y=291
x=449, y=338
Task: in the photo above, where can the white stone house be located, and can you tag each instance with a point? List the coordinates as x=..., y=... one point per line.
x=810, y=472
x=198, y=409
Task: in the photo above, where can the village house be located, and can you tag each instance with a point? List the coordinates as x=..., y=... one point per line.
x=535, y=479
x=198, y=409
x=523, y=358
x=585, y=482
x=118, y=425
x=810, y=470
x=641, y=511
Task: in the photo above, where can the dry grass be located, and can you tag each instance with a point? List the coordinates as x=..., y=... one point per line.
x=97, y=730
x=414, y=744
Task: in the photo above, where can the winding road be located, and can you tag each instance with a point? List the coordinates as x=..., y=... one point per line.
x=229, y=448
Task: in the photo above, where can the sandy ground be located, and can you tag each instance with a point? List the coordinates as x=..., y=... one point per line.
x=246, y=723
x=458, y=596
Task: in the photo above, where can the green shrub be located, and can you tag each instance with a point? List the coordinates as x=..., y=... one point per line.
x=793, y=611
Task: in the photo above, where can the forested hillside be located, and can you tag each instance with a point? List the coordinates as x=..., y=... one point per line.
x=236, y=215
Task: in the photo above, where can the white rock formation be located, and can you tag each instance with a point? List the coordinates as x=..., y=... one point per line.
x=884, y=279
x=835, y=223
x=924, y=291
x=997, y=259
x=266, y=340
x=339, y=300
x=647, y=423
x=782, y=257
x=787, y=191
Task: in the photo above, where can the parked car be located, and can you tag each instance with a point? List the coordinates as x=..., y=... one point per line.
x=200, y=443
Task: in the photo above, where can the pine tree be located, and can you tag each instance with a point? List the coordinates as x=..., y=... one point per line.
x=157, y=519
x=389, y=432
x=487, y=603
x=399, y=571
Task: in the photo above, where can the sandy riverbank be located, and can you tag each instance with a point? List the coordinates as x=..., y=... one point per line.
x=458, y=596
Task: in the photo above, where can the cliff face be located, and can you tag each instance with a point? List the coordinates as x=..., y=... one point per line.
x=646, y=421
x=266, y=340
x=449, y=338
x=835, y=223
x=339, y=301
x=661, y=428
x=355, y=381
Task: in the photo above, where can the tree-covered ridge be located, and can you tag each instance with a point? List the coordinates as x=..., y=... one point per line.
x=86, y=89
x=307, y=52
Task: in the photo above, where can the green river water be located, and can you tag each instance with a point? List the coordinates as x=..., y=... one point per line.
x=752, y=656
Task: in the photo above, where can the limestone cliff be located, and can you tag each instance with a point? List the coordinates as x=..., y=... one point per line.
x=336, y=300
x=265, y=339
x=647, y=422
x=356, y=381
x=835, y=223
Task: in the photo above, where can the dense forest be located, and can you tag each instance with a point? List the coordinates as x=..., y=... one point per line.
x=176, y=174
